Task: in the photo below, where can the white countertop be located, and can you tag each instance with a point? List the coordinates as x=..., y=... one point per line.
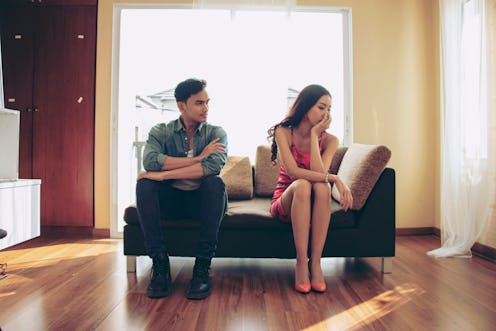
x=9, y=183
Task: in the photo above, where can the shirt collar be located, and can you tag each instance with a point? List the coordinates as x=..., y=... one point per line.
x=179, y=126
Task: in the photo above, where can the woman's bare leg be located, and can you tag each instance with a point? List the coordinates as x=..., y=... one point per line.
x=321, y=215
x=296, y=200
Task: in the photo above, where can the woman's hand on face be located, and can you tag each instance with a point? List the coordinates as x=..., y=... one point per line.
x=323, y=124
x=153, y=175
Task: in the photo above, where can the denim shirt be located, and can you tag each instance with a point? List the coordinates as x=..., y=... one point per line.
x=171, y=140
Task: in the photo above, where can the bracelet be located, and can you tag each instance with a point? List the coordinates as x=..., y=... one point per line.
x=326, y=178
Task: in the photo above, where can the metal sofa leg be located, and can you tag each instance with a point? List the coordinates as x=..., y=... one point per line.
x=131, y=263
x=387, y=265
x=3, y=270
x=3, y=266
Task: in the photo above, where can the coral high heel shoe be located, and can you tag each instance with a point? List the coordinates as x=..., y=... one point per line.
x=319, y=287
x=303, y=288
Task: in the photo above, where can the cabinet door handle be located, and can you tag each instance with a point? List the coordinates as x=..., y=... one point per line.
x=29, y=110
x=36, y=109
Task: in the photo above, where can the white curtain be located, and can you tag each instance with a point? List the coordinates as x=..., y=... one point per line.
x=467, y=125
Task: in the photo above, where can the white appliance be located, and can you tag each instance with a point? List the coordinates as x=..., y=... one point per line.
x=9, y=144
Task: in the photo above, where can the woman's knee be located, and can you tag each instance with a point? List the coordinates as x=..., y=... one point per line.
x=302, y=188
x=321, y=190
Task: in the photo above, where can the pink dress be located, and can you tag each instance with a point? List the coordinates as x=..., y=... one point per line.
x=283, y=182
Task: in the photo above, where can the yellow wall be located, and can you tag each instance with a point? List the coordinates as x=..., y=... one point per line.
x=396, y=99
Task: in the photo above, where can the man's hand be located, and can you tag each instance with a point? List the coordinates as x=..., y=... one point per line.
x=213, y=147
x=153, y=175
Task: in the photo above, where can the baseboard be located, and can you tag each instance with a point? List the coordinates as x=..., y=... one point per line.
x=437, y=232
x=415, y=231
x=478, y=249
x=101, y=233
x=484, y=251
x=74, y=231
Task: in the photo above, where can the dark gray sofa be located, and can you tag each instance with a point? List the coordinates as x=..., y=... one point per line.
x=248, y=230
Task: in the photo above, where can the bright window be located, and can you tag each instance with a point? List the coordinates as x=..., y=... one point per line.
x=254, y=62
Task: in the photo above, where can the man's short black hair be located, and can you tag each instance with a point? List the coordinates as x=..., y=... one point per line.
x=189, y=87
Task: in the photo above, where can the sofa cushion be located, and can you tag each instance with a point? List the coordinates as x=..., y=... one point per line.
x=360, y=168
x=238, y=177
x=266, y=173
x=251, y=214
x=254, y=214
x=337, y=159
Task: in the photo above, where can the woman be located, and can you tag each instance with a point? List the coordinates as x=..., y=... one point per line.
x=302, y=195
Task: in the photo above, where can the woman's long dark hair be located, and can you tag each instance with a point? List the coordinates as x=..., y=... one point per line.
x=305, y=100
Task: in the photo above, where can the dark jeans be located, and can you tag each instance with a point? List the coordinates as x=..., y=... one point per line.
x=159, y=200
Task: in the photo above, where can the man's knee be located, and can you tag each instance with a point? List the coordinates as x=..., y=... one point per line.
x=145, y=182
x=213, y=183
x=146, y=186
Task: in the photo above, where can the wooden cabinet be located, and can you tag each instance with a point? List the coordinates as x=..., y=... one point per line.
x=18, y=56
x=48, y=55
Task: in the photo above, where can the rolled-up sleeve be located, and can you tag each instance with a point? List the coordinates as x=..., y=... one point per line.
x=213, y=164
x=153, y=156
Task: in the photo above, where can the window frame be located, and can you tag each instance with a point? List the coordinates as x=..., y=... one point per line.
x=346, y=13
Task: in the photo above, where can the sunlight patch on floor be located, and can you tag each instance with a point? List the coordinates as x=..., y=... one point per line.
x=371, y=310
x=7, y=294
x=51, y=254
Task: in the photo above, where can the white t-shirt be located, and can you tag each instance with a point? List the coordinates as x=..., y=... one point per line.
x=187, y=184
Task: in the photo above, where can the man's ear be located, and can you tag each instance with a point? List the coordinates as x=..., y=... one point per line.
x=181, y=105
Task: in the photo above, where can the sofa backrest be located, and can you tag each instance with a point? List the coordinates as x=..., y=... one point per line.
x=266, y=173
x=362, y=165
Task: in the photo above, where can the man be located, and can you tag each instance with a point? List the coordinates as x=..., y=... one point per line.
x=183, y=159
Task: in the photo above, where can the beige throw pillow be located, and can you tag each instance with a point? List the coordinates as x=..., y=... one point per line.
x=360, y=168
x=266, y=173
x=238, y=177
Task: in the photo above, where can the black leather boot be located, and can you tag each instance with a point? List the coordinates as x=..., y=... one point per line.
x=160, y=283
x=200, y=287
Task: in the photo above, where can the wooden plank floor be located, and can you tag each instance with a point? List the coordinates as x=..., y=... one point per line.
x=82, y=284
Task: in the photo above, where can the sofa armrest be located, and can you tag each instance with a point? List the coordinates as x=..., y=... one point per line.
x=379, y=211
x=376, y=221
